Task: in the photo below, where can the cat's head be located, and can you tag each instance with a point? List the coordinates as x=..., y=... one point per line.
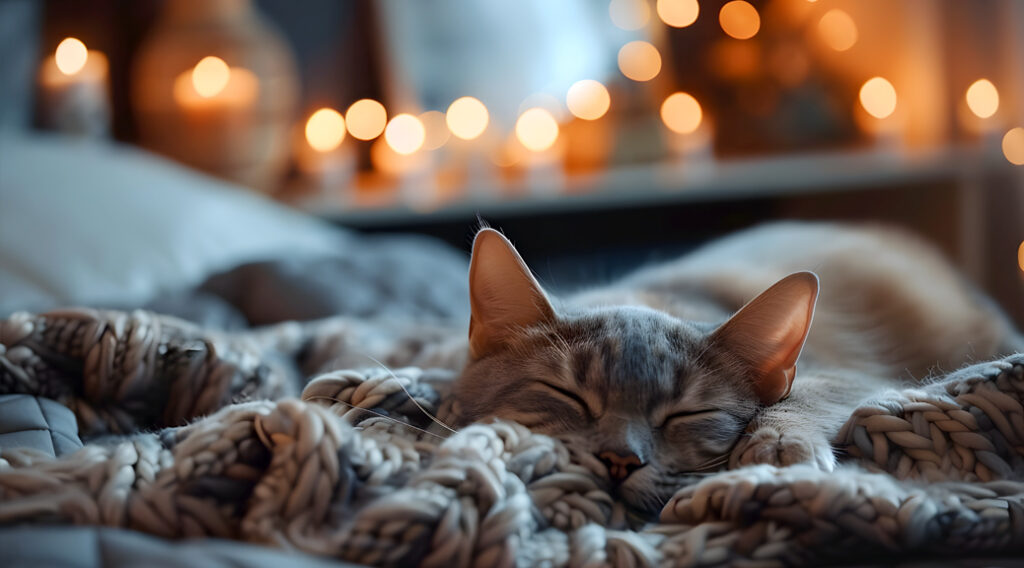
x=655, y=398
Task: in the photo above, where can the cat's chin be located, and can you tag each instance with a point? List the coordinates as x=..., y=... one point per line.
x=646, y=492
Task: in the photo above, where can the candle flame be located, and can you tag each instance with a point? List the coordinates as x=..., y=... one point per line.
x=366, y=119
x=878, y=97
x=983, y=98
x=588, y=99
x=325, y=130
x=639, y=60
x=71, y=56
x=210, y=76
x=681, y=113
x=467, y=118
x=405, y=134
x=1013, y=146
x=537, y=129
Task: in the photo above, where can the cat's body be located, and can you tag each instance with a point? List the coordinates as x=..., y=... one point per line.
x=646, y=375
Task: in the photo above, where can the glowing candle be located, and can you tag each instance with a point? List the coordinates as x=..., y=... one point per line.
x=212, y=88
x=320, y=157
x=74, y=91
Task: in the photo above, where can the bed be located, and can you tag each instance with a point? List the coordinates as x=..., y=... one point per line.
x=183, y=362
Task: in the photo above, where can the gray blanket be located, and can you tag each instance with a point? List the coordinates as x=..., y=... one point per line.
x=193, y=433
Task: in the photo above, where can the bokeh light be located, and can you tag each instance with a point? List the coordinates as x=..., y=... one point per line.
x=405, y=134
x=983, y=98
x=739, y=19
x=1020, y=256
x=436, y=128
x=1013, y=146
x=629, y=14
x=467, y=118
x=210, y=76
x=537, y=129
x=878, y=97
x=366, y=119
x=588, y=99
x=681, y=113
x=678, y=13
x=71, y=56
x=838, y=30
x=325, y=130
x=639, y=60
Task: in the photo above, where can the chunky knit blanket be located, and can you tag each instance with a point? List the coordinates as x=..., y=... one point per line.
x=192, y=433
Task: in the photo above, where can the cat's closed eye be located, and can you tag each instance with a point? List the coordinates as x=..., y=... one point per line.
x=688, y=416
x=569, y=395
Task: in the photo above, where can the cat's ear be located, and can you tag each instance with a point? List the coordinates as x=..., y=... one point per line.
x=503, y=294
x=768, y=333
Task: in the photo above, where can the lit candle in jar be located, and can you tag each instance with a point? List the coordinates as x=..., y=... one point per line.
x=877, y=113
x=214, y=87
x=74, y=92
x=538, y=133
x=320, y=155
x=689, y=133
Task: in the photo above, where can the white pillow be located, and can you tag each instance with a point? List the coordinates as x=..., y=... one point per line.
x=95, y=223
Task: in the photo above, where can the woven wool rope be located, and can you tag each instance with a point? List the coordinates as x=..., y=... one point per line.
x=190, y=433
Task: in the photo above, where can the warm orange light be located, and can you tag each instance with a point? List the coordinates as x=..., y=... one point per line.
x=838, y=30
x=629, y=14
x=467, y=118
x=739, y=19
x=1020, y=256
x=366, y=119
x=405, y=134
x=536, y=129
x=983, y=98
x=588, y=99
x=678, y=13
x=436, y=129
x=1013, y=146
x=681, y=113
x=878, y=97
x=210, y=76
x=71, y=56
x=325, y=130
x=640, y=61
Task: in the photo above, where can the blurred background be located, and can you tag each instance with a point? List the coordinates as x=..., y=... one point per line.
x=599, y=134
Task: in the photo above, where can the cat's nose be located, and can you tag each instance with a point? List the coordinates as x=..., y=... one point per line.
x=620, y=466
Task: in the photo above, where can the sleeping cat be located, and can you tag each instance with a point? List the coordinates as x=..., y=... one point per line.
x=690, y=366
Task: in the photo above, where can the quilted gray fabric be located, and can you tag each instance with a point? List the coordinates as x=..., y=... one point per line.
x=34, y=422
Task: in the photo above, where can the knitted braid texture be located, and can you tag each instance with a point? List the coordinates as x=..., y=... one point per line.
x=190, y=433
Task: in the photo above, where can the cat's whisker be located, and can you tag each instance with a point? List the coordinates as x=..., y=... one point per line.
x=384, y=416
x=407, y=393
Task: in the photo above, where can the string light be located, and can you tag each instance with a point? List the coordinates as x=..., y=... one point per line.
x=983, y=98
x=1013, y=146
x=681, y=113
x=838, y=30
x=588, y=99
x=537, y=129
x=639, y=60
x=739, y=19
x=210, y=76
x=436, y=128
x=71, y=56
x=678, y=13
x=366, y=119
x=878, y=97
x=325, y=130
x=467, y=118
x=629, y=14
x=405, y=134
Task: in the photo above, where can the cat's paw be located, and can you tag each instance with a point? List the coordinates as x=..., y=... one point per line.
x=772, y=446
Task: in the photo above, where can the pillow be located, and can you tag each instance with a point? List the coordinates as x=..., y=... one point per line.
x=93, y=223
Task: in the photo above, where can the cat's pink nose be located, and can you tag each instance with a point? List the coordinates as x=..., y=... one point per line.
x=620, y=466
